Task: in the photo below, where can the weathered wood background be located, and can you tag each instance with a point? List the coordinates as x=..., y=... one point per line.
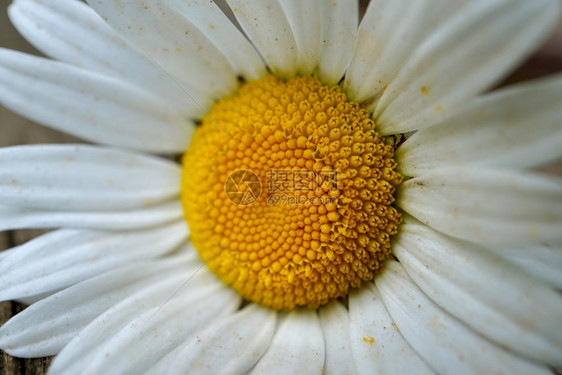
x=15, y=130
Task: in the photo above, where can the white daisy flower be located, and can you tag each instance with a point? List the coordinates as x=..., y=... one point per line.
x=301, y=234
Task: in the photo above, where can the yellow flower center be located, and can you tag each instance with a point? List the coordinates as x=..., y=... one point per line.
x=287, y=189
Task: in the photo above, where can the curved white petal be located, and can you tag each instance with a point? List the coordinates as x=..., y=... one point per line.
x=470, y=52
x=27, y=218
x=80, y=178
x=378, y=347
x=485, y=292
x=70, y=31
x=543, y=262
x=45, y=327
x=212, y=22
x=133, y=335
x=174, y=43
x=389, y=33
x=446, y=344
x=298, y=346
x=305, y=21
x=33, y=299
x=518, y=127
x=4, y=254
x=335, y=325
x=62, y=258
x=339, y=31
x=489, y=207
x=90, y=105
x=231, y=345
x=269, y=30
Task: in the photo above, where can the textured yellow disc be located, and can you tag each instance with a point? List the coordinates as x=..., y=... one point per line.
x=287, y=189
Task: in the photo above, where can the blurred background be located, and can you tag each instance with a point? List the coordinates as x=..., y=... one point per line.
x=16, y=130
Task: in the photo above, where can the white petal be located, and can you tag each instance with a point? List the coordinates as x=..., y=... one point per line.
x=231, y=345
x=517, y=127
x=485, y=292
x=45, y=327
x=269, y=30
x=79, y=177
x=33, y=299
x=70, y=31
x=62, y=258
x=378, y=347
x=90, y=105
x=339, y=31
x=444, y=343
x=5, y=253
x=297, y=348
x=26, y=218
x=173, y=42
x=494, y=208
x=335, y=325
x=389, y=33
x=305, y=21
x=408, y=219
x=133, y=335
x=542, y=262
x=465, y=56
x=210, y=19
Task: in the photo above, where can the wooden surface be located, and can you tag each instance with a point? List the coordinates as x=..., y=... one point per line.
x=15, y=130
